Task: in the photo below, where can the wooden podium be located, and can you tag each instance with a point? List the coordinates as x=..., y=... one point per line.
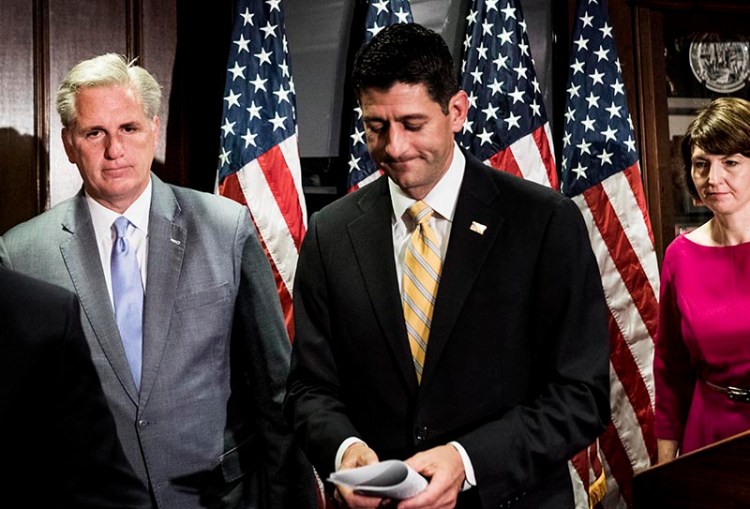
x=716, y=476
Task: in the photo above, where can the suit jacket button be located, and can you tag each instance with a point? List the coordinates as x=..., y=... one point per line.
x=421, y=433
x=143, y=423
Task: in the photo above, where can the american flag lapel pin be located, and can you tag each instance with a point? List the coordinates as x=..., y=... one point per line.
x=477, y=227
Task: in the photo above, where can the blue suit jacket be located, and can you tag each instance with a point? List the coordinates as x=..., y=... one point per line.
x=215, y=350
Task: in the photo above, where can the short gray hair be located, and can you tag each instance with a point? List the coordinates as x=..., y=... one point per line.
x=107, y=70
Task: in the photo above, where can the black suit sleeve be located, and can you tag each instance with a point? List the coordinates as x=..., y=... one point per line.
x=319, y=415
x=60, y=447
x=285, y=477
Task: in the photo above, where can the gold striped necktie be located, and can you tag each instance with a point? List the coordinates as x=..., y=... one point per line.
x=422, y=266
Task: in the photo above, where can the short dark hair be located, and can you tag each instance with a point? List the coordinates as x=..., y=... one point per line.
x=407, y=53
x=723, y=127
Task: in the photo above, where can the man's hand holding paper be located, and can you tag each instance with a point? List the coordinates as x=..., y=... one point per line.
x=445, y=470
x=364, y=482
x=356, y=455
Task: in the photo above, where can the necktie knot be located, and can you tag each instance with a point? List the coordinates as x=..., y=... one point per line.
x=420, y=212
x=121, y=227
x=121, y=231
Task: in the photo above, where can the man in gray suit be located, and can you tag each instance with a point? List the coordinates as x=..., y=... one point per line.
x=190, y=344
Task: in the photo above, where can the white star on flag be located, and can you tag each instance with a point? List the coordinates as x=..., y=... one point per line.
x=504, y=95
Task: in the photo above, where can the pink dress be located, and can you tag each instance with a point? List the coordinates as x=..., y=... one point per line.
x=703, y=335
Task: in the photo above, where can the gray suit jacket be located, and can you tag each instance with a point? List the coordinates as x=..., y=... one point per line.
x=215, y=350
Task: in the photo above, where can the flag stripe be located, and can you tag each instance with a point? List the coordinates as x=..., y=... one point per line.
x=530, y=153
x=618, y=469
x=544, y=142
x=272, y=226
x=636, y=225
x=626, y=262
x=504, y=160
x=631, y=355
x=639, y=415
x=578, y=477
x=633, y=175
x=628, y=388
x=526, y=153
x=231, y=188
x=282, y=171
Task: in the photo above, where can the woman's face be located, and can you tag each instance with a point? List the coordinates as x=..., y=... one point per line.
x=722, y=181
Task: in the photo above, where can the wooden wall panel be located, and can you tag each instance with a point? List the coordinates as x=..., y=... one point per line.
x=77, y=30
x=645, y=85
x=157, y=47
x=18, y=168
x=654, y=126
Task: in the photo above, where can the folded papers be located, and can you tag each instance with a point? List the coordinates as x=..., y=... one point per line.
x=387, y=479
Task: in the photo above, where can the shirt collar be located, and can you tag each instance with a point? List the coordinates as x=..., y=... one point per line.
x=137, y=213
x=442, y=198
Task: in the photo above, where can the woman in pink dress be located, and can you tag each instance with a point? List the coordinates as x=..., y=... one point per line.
x=702, y=358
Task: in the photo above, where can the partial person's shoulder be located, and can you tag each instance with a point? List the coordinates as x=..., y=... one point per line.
x=55, y=215
x=352, y=205
x=683, y=249
x=680, y=257
x=27, y=291
x=38, y=228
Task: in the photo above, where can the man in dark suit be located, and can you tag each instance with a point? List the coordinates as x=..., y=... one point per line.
x=178, y=301
x=515, y=377
x=57, y=436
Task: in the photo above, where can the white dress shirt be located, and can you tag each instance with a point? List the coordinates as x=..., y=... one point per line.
x=103, y=218
x=442, y=200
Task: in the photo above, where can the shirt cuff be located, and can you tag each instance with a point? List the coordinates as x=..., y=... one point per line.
x=470, y=481
x=342, y=449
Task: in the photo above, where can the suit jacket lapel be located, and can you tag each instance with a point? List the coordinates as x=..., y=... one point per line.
x=467, y=253
x=80, y=253
x=372, y=239
x=166, y=248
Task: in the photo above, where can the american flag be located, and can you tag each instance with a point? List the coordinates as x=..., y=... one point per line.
x=507, y=125
x=259, y=162
x=362, y=169
x=601, y=173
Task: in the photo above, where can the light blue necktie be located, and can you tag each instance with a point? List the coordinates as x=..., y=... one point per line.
x=127, y=291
